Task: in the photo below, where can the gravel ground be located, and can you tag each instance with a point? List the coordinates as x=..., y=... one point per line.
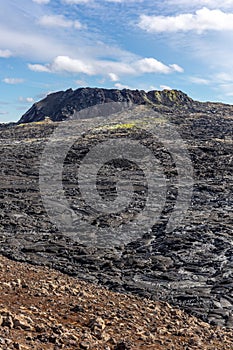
x=41, y=308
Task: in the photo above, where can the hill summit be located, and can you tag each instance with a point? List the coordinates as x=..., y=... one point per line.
x=62, y=105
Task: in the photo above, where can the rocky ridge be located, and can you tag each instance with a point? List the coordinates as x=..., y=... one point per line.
x=61, y=105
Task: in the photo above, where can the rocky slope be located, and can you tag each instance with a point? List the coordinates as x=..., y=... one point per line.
x=63, y=104
x=43, y=309
x=191, y=267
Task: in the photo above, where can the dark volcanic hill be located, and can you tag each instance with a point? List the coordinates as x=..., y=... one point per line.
x=63, y=104
x=191, y=267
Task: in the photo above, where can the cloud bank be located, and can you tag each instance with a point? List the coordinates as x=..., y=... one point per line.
x=110, y=68
x=202, y=20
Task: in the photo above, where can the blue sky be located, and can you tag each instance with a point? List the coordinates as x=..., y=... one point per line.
x=51, y=45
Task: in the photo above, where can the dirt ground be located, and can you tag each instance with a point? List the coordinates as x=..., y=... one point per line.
x=44, y=309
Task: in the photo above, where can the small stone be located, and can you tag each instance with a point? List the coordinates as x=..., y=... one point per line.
x=21, y=322
x=77, y=308
x=84, y=345
x=122, y=346
x=7, y=321
x=97, y=324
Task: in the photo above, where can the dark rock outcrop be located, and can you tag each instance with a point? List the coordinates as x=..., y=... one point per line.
x=63, y=104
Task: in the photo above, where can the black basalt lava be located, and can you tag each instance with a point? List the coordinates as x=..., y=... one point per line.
x=62, y=105
x=191, y=267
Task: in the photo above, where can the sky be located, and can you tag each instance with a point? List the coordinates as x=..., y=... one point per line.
x=53, y=45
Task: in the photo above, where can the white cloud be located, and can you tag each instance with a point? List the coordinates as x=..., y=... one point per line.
x=41, y=1
x=200, y=81
x=118, y=68
x=26, y=99
x=151, y=65
x=224, y=4
x=92, y=1
x=32, y=44
x=121, y=86
x=58, y=21
x=13, y=81
x=122, y=1
x=165, y=87
x=67, y=64
x=4, y=112
x=151, y=87
x=110, y=68
x=29, y=99
x=203, y=19
x=38, y=68
x=176, y=68
x=26, y=39
x=224, y=77
x=113, y=77
x=5, y=53
x=77, y=25
x=77, y=1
